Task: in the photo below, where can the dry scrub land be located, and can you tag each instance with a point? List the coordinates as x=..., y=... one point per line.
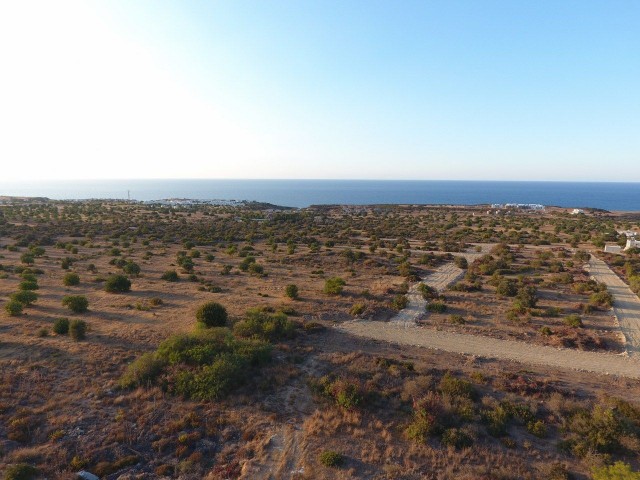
x=279, y=392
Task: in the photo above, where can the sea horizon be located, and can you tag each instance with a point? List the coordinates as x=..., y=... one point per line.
x=300, y=193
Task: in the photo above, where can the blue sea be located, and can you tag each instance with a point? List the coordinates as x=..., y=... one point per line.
x=302, y=193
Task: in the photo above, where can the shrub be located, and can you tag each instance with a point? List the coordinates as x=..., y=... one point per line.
x=13, y=308
x=546, y=331
x=264, y=325
x=457, y=319
x=507, y=288
x=212, y=314
x=61, y=326
x=357, y=309
x=617, y=471
x=601, y=299
x=143, y=371
x=399, y=302
x=334, y=286
x=21, y=471
x=456, y=438
x=71, y=279
x=28, y=285
x=117, y=284
x=527, y=296
x=170, y=276
x=456, y=387
x=329, y=458
x=537, y=428
x=427, y=292
x=573, y=320
x=211, y=364
x=436, y=307
x=78, y=329
x=461, y=262
x=25, y=297
x=27, y=258
x=76, y=303
x=131, y=268
x=291, y=291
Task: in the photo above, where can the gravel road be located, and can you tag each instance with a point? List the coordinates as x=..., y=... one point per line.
x=626, y=306
x=402, y=329
x=602, y=363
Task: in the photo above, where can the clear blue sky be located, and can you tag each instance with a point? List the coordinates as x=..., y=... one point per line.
x=538, y=90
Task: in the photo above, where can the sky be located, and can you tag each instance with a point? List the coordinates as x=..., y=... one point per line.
x=356, y=89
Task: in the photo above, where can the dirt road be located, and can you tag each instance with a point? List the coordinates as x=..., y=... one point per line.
x=439, y=279
x=626, y=305
x=402, y=329
x=521, y=352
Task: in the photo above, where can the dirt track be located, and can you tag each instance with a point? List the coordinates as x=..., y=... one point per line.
x=439, y=279
x=602, y=363
x=626, y=305
x=402, y=329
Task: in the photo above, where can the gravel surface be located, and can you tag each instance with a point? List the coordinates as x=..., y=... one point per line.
x=626, y=306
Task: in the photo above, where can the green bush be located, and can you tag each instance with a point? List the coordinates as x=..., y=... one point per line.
x=28, y=285
x=78, y=329
x=13, y=308
x=573, y=320
x=537, y=428
x=617, y=471
x=291, y=291
x=507, y=288
x=117, y=284
x=170, y=276
x=143, y=371
x=436, y=307
x=264, y=325
x=76, y=303
x=25, y=297
x=399, y=302
x=456, y=438
x=527, y=296
x=71, y=279
x=21, y=471
x=212, y=314
x=61, y=326
x=601, y=299
x=334, y=286
x=204, y=366
x=427, y=292
x=131, y=268
x=456, y=387
x=329, y=458
x=357, y=309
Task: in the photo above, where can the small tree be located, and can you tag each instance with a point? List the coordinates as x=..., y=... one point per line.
x=61, y=326
x=212, y=314
x=117, y=284
x=25, y=297
x=461, y=262
x=131, y=268
x=71, y=279
x=28, y=285
x=76, y=303
x=14, y=308
x=78, y=329
x=334, y=286
x=291, y=291
x=170, y=276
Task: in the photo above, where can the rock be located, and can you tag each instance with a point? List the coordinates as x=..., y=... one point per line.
x=87, y=475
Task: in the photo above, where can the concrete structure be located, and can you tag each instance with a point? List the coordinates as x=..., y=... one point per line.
x=613, y=249
x=632, y=242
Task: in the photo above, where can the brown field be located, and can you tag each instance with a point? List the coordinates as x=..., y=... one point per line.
x=389, y=411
